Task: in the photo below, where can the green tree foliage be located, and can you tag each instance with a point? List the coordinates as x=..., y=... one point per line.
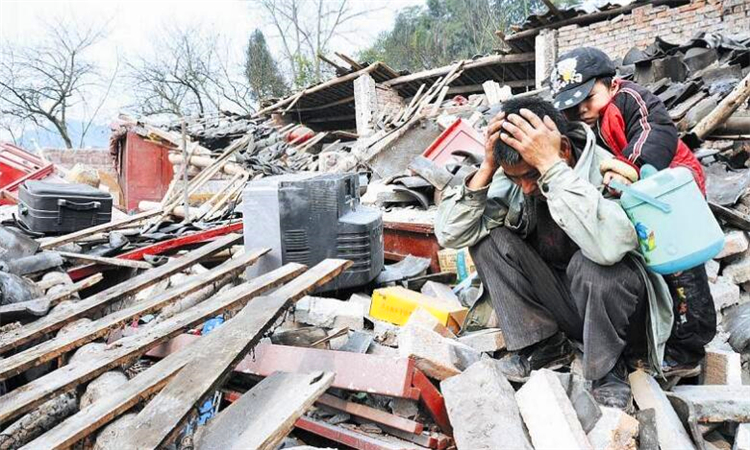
x=444, y=31
x=261, y=69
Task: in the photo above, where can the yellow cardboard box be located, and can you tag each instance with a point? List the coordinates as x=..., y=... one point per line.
x=395, y=305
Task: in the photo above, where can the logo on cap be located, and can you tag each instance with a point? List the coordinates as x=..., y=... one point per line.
x=565, y=73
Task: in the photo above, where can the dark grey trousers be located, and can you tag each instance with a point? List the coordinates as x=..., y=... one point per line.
x=592, y=304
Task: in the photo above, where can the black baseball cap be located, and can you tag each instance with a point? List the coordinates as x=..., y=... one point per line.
x=575, y=74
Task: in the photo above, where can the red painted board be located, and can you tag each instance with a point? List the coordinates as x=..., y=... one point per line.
x=159, y=248
x=145, y=171
x=433, y=401
x=182, y=241
x=398, y=243
x=16, y=166
x=354, y=371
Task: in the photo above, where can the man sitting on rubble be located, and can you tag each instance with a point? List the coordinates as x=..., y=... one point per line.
x=555, y=255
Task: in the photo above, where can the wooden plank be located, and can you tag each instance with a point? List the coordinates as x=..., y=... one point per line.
x=107, y=261
x=319, y=87
x=144, y=385
x=724, y=109
x=53, y=348
x=263, y=416
x=470, y=64
x=60, y=317
x=23, y=399
x=156, y=425
x=371, y=414
x=648, y=394
x=72, y=237
x=717, y=403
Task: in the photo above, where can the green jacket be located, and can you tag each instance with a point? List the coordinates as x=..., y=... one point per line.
x=598, y=225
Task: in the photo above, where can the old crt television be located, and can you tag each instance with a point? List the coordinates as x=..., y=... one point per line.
x=308, y=217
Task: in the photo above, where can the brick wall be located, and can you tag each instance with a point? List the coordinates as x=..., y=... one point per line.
x=388, y=98
x=643, y=24
x=99, y=159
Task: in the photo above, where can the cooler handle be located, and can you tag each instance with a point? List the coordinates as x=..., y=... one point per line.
x=665, y=207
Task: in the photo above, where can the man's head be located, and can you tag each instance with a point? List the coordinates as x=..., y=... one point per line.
x=514, y=167
x=582, y=83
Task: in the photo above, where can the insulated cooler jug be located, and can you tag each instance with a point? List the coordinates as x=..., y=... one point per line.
x=676, y=229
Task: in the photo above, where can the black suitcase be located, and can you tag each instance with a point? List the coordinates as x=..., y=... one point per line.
x=55, y=208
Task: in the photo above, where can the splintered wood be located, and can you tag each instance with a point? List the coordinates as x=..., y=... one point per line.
x=223, y=348
x=60, y=317
x=23, y=399
x=262, y=417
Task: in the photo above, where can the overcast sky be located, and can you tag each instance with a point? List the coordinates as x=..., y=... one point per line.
x=134, y=23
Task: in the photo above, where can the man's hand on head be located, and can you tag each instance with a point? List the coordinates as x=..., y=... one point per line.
x=537, y=140
x=489, y=166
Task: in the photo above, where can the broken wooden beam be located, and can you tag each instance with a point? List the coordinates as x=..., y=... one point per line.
x=72, y=237
x=206, y=161
x=724, y=109
x=60, y=317
x=49, y=350
x=263, y=416
x=20, y=401
x=648, y=394
x=145, y=384
x=469, y=64
x=107, y=261
x=157, y=424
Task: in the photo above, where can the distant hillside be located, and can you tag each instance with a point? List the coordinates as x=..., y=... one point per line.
x=97, y=137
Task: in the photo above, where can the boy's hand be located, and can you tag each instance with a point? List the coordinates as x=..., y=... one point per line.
x=537, y=140
x=611, y=175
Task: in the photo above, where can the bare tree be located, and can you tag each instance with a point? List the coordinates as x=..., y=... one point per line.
x=305, y=29
x=42, y=83
x=188, y=72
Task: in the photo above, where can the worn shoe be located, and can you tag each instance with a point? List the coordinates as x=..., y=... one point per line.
x=551, y=353
x=613, y=389
x=672, y=368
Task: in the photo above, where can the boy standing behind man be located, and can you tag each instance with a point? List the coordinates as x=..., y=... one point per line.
x=634, y=125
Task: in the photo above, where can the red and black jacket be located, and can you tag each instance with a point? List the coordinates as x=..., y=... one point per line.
x=635, y=126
